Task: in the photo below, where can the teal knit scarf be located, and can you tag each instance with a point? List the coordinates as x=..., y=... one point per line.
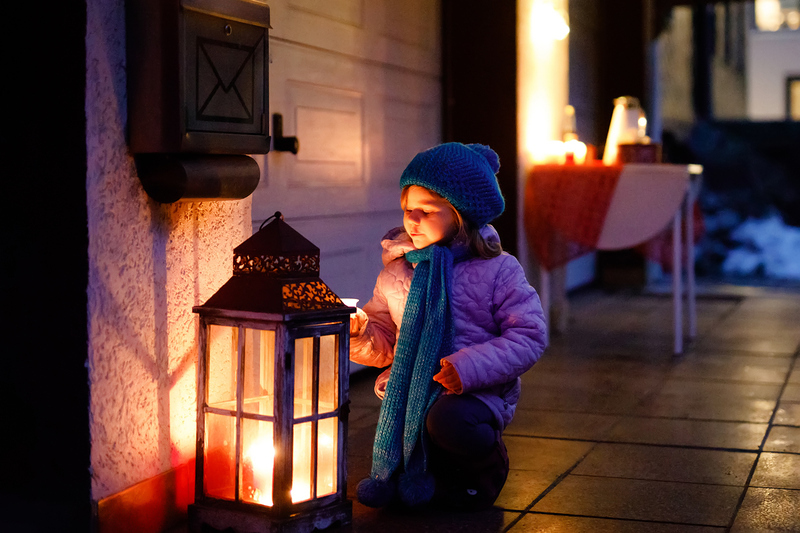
x=426, y=336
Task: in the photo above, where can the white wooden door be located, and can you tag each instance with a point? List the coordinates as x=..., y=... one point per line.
x=358, y=82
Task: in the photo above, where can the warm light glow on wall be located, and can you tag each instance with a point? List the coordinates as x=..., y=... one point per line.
x=542, y=75
x=182, y=409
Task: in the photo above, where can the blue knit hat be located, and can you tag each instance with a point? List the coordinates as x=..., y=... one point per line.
x=464, y=175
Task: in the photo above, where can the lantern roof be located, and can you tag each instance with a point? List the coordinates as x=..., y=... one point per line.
x=277, y=238
x=275, y=272
x=276, y=250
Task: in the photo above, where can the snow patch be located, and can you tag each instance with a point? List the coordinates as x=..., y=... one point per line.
x=767, y=245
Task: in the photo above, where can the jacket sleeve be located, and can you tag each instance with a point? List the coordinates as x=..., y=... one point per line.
x=522, y=336
x=374, y=345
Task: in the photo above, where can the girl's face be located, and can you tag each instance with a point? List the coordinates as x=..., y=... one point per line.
x=427, y=218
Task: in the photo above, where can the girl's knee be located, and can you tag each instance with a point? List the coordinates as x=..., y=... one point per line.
x=462, y=425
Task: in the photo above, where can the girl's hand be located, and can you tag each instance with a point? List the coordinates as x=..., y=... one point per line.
x=357, y=322
x=448, y=377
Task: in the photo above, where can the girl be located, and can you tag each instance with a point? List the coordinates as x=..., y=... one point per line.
x=458, y=322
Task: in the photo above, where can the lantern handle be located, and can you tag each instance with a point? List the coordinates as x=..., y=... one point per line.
x=277, y=215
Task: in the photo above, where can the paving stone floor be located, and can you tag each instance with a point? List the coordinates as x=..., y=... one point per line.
x=614, y=433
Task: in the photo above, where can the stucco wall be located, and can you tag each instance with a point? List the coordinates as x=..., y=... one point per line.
x=148, y=265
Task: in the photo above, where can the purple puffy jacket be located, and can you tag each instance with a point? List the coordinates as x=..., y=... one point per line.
x=500, y=330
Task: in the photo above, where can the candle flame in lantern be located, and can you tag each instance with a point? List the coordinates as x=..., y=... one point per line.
x=261, y=456
x=642, y=131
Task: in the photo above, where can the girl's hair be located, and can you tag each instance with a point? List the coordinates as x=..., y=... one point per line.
x=465, y=232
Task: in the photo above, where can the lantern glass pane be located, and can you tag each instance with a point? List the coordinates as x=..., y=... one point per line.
x=221, y=372
x=328, y=373
x=301, y=463
x=258, y=460
x=259, y=371
x=326, y=456
x=303, y=376
x=219, y=468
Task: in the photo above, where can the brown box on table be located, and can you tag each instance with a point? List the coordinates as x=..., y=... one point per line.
x=639, y=153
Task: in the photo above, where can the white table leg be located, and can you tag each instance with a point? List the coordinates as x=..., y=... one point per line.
x=559, y=305
x=544, y=296
x=691, y=289
x=677, y=290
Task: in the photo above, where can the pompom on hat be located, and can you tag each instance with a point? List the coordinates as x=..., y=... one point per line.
x=464, y=174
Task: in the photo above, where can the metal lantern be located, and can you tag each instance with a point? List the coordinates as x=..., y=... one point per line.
x=272, y=393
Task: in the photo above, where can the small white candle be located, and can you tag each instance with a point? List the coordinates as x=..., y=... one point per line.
x=350, y=302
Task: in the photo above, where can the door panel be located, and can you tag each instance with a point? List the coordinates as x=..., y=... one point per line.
x=329, y=122
x=358, y=83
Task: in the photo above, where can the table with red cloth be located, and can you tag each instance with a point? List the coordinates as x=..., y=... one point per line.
x=565, y=207
x=565, y=212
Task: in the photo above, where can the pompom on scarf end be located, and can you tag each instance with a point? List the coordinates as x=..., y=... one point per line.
x=373, y=492
x=416, y=488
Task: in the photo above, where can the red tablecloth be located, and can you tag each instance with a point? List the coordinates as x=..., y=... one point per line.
x=565, y=207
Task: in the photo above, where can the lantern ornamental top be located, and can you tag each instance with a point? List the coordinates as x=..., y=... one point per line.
x=276, y=250
x=276, y=271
